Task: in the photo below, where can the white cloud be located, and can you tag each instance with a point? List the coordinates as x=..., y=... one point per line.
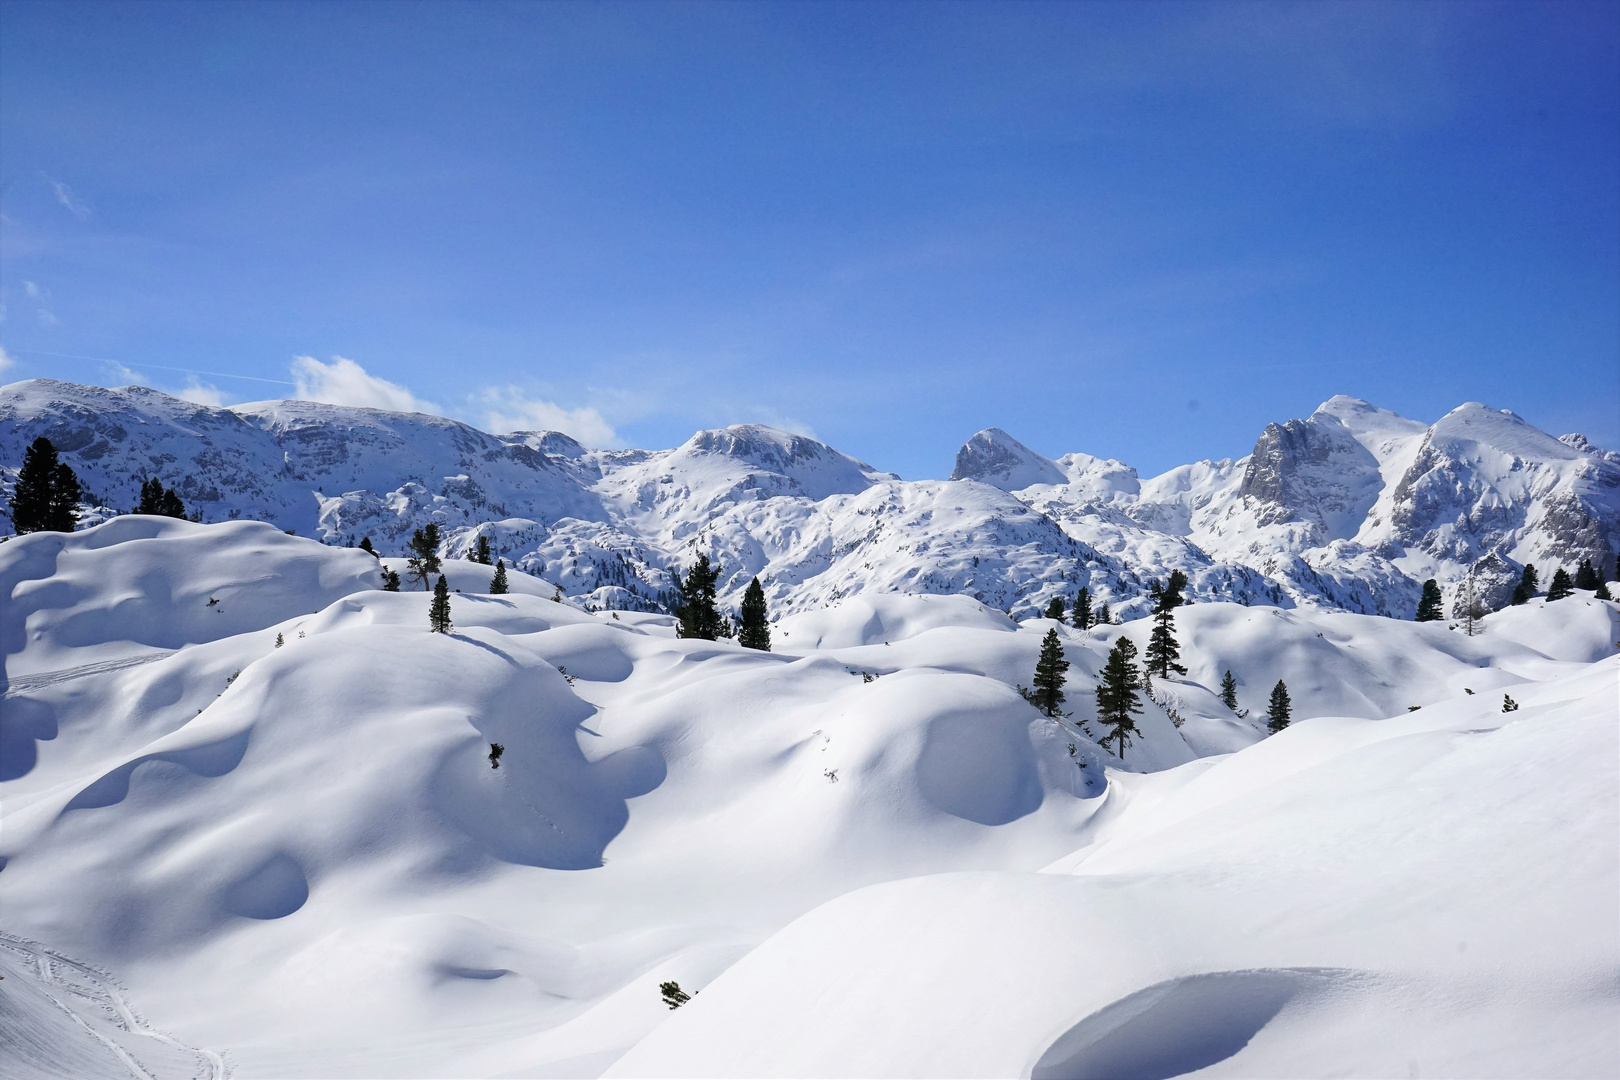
x=6, y=362
x=31, y=290
x=344, y=382
x=508, y=408
x=200, y=393
x=65, y=196
x=124, y=376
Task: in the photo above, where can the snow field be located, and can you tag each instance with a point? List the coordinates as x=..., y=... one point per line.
x=300, y=856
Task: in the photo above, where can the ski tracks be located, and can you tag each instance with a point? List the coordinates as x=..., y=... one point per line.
x=95, y=1002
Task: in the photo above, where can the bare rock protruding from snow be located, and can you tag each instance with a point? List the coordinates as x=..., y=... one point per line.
x=996, y=458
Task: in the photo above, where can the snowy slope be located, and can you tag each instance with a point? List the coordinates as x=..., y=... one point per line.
x=298, y=856
x=1351, y=507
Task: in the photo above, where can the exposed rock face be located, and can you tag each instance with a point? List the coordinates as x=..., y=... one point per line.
x=996, y=458
x=1491, y=579
x=1351, y=507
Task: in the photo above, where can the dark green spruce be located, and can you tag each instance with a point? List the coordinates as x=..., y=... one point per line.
x=1117, y=697
x=1586, y=576
x=480, y=552
x=756, y=625
x=1050, y=676
x=424, y=557
x=1526, y=588
x=1163, y=652
x=1054, y=609
x=1082, y=609
x=439, y=610
x=1280, y=708
x=1429, y=604
x=160, y=501
x=497, y=584
x=46, y=496
x=698, y=615
x=1229, y=690
x=1561, y=585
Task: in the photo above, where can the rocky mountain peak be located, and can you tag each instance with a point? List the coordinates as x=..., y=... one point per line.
x=996, y=458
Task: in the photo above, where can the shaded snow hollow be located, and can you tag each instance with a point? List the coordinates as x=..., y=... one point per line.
x=868, y=853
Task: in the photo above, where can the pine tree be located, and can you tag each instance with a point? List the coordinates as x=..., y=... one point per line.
x=698, y=615
x=1229, y=690
x=1509, y=705
x=424, y=559
x=46, y=497
x=1429, y=605
x=1603, y=591
x=1586, y=577
x=1526, y=588
x=673, y=995
x=1162, y=650
x=160, y=501
x=439, y=610
x=1049, y=674
x=756, y=626
x=1054, y=609
x=1082, y=609
x=1280, y=708
x=497, y=584
x=1117, y=699
x=1104, y=616
x=1561, y=585
x=481, y=551
x=365, y=546
x=390, y=580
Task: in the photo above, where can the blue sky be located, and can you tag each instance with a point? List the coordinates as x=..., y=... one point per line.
x=1142, y=230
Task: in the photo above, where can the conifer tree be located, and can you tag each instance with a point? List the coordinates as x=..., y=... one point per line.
x=497, y=584
x=481, y=550
x=365, y=546
x=160, y=501
x=46, y=496
x=1526, y=588
x=1603, y=592
x=756, y=626
x=698, y=615
x=1586, y=577
x=1117, y=699
x=439, y=610
x=424, y=558
x=1049, y=674
x=390, y=580
x=1082, y=609
x=1054, y=609
x=1162, y=650
x=1229, y=691
x=1104, y=616
x=1561, y=585
x=1280, y=708
x=1429, y=605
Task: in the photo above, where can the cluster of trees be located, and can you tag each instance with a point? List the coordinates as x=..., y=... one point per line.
x=160, y=501
x=46, y=498
x=699, y=615
x=1083, y=616
x=1587, y=576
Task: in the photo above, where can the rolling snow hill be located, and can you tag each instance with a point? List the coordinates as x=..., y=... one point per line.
x=1349, y=508
x=249, y=824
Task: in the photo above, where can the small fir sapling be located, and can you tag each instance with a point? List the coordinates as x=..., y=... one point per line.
x=497, y=584
x=439, y=609
x=280, y=641
x=1429, y=605
x=673, y=995
x=1229, y=690
x=495, y=752
x=1049, y=675
x=365, y=546
x=390, y=580
x=1509, y=705
x=1280, y=708
x=1104, y=616
x=1561, y=585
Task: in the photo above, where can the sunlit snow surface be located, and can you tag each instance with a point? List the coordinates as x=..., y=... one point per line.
x=868, y=853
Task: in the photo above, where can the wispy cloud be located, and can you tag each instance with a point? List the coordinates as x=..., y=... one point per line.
x=344, y=382
x=6, y=362
x=201, y=393
x=121, y=375
x=64, y=195
x=509, y=408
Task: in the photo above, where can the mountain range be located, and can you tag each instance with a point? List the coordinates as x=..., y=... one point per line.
x=1351, y=507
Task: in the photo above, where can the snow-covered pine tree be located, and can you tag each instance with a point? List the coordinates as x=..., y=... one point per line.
x=756, y=627
x=439, y=610
x=1280, y=708
x=1162, y=650
x=1229, y=690
x=1117, y=699
x=1049, y=674
x=1082, y=609
x=1054, y=609
x=46, y=496
x=1561, y=585
x=1429, y=604
x=497, y=584
x=424, y=558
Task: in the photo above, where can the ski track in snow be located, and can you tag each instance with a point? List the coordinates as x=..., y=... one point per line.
x=23, y=684
x=65, y=978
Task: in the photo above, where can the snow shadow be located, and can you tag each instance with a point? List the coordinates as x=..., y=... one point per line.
x=210, y=760
x=1178, y=1026
x=23, y=723
x=979, y=768
x=274, y=889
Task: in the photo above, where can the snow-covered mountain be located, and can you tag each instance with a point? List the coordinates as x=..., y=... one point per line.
x=1351, y=507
